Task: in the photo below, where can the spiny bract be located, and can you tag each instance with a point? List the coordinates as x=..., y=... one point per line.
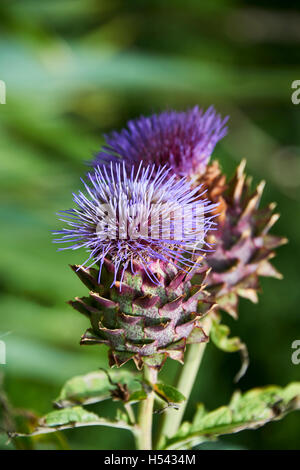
x=243, y=244
x=144, y=322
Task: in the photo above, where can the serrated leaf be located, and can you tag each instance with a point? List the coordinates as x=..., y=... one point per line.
x=69, y=418
x=94, y=387
x=219, y=334
x=250, y=410
x=168, y=393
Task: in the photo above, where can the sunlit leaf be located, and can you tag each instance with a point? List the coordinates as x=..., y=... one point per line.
x=168, y=393
x=96, y=386
x=249, y=410
x=70, y=418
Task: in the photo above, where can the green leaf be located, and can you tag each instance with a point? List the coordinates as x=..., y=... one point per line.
x=138, y=395
x=72, y=415
x=75, y=417
x=95, y=387
x=168, y=393
x=249, y=410
x=219, y=334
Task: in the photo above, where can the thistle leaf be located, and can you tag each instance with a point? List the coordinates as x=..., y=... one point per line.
x=168, y=393
x=249, y=410
x=138, y=395
x=94, y=387
x=69, y=418
x=219, y=334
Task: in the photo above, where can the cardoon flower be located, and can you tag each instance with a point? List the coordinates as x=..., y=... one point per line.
x=182, y=140
x=141, y=216
x=140, y=229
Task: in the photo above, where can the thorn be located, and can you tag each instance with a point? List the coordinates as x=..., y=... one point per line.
x=273, y=219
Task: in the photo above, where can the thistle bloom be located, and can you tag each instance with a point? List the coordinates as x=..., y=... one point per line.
x=182, y=140
x=140, y=216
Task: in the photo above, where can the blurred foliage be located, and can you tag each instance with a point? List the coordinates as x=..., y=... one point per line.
x=75, y=69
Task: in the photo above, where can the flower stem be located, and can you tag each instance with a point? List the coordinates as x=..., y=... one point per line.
x=145, y=416
x=130, y=413
x=172, y=418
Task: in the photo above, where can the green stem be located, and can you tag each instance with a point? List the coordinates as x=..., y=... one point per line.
x=130, y=413
x=172, y=418
x=145, y=416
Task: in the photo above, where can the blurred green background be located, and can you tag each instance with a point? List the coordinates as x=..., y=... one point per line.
x=77, y=68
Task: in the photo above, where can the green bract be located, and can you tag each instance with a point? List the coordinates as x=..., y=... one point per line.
x=143, y=321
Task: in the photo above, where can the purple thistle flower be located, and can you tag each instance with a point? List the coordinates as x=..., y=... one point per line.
x=140, y=216
x=182, y=140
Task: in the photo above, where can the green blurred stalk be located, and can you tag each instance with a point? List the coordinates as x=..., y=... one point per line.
x=145, y=416
x=172, y=418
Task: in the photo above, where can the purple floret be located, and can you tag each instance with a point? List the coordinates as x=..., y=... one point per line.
x=183, y=141
x=138, y=216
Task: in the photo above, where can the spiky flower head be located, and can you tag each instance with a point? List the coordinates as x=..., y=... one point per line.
x=243, y=244
x=145, y=322
x=139, y=217
x=182, y=140
x=139, y=227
